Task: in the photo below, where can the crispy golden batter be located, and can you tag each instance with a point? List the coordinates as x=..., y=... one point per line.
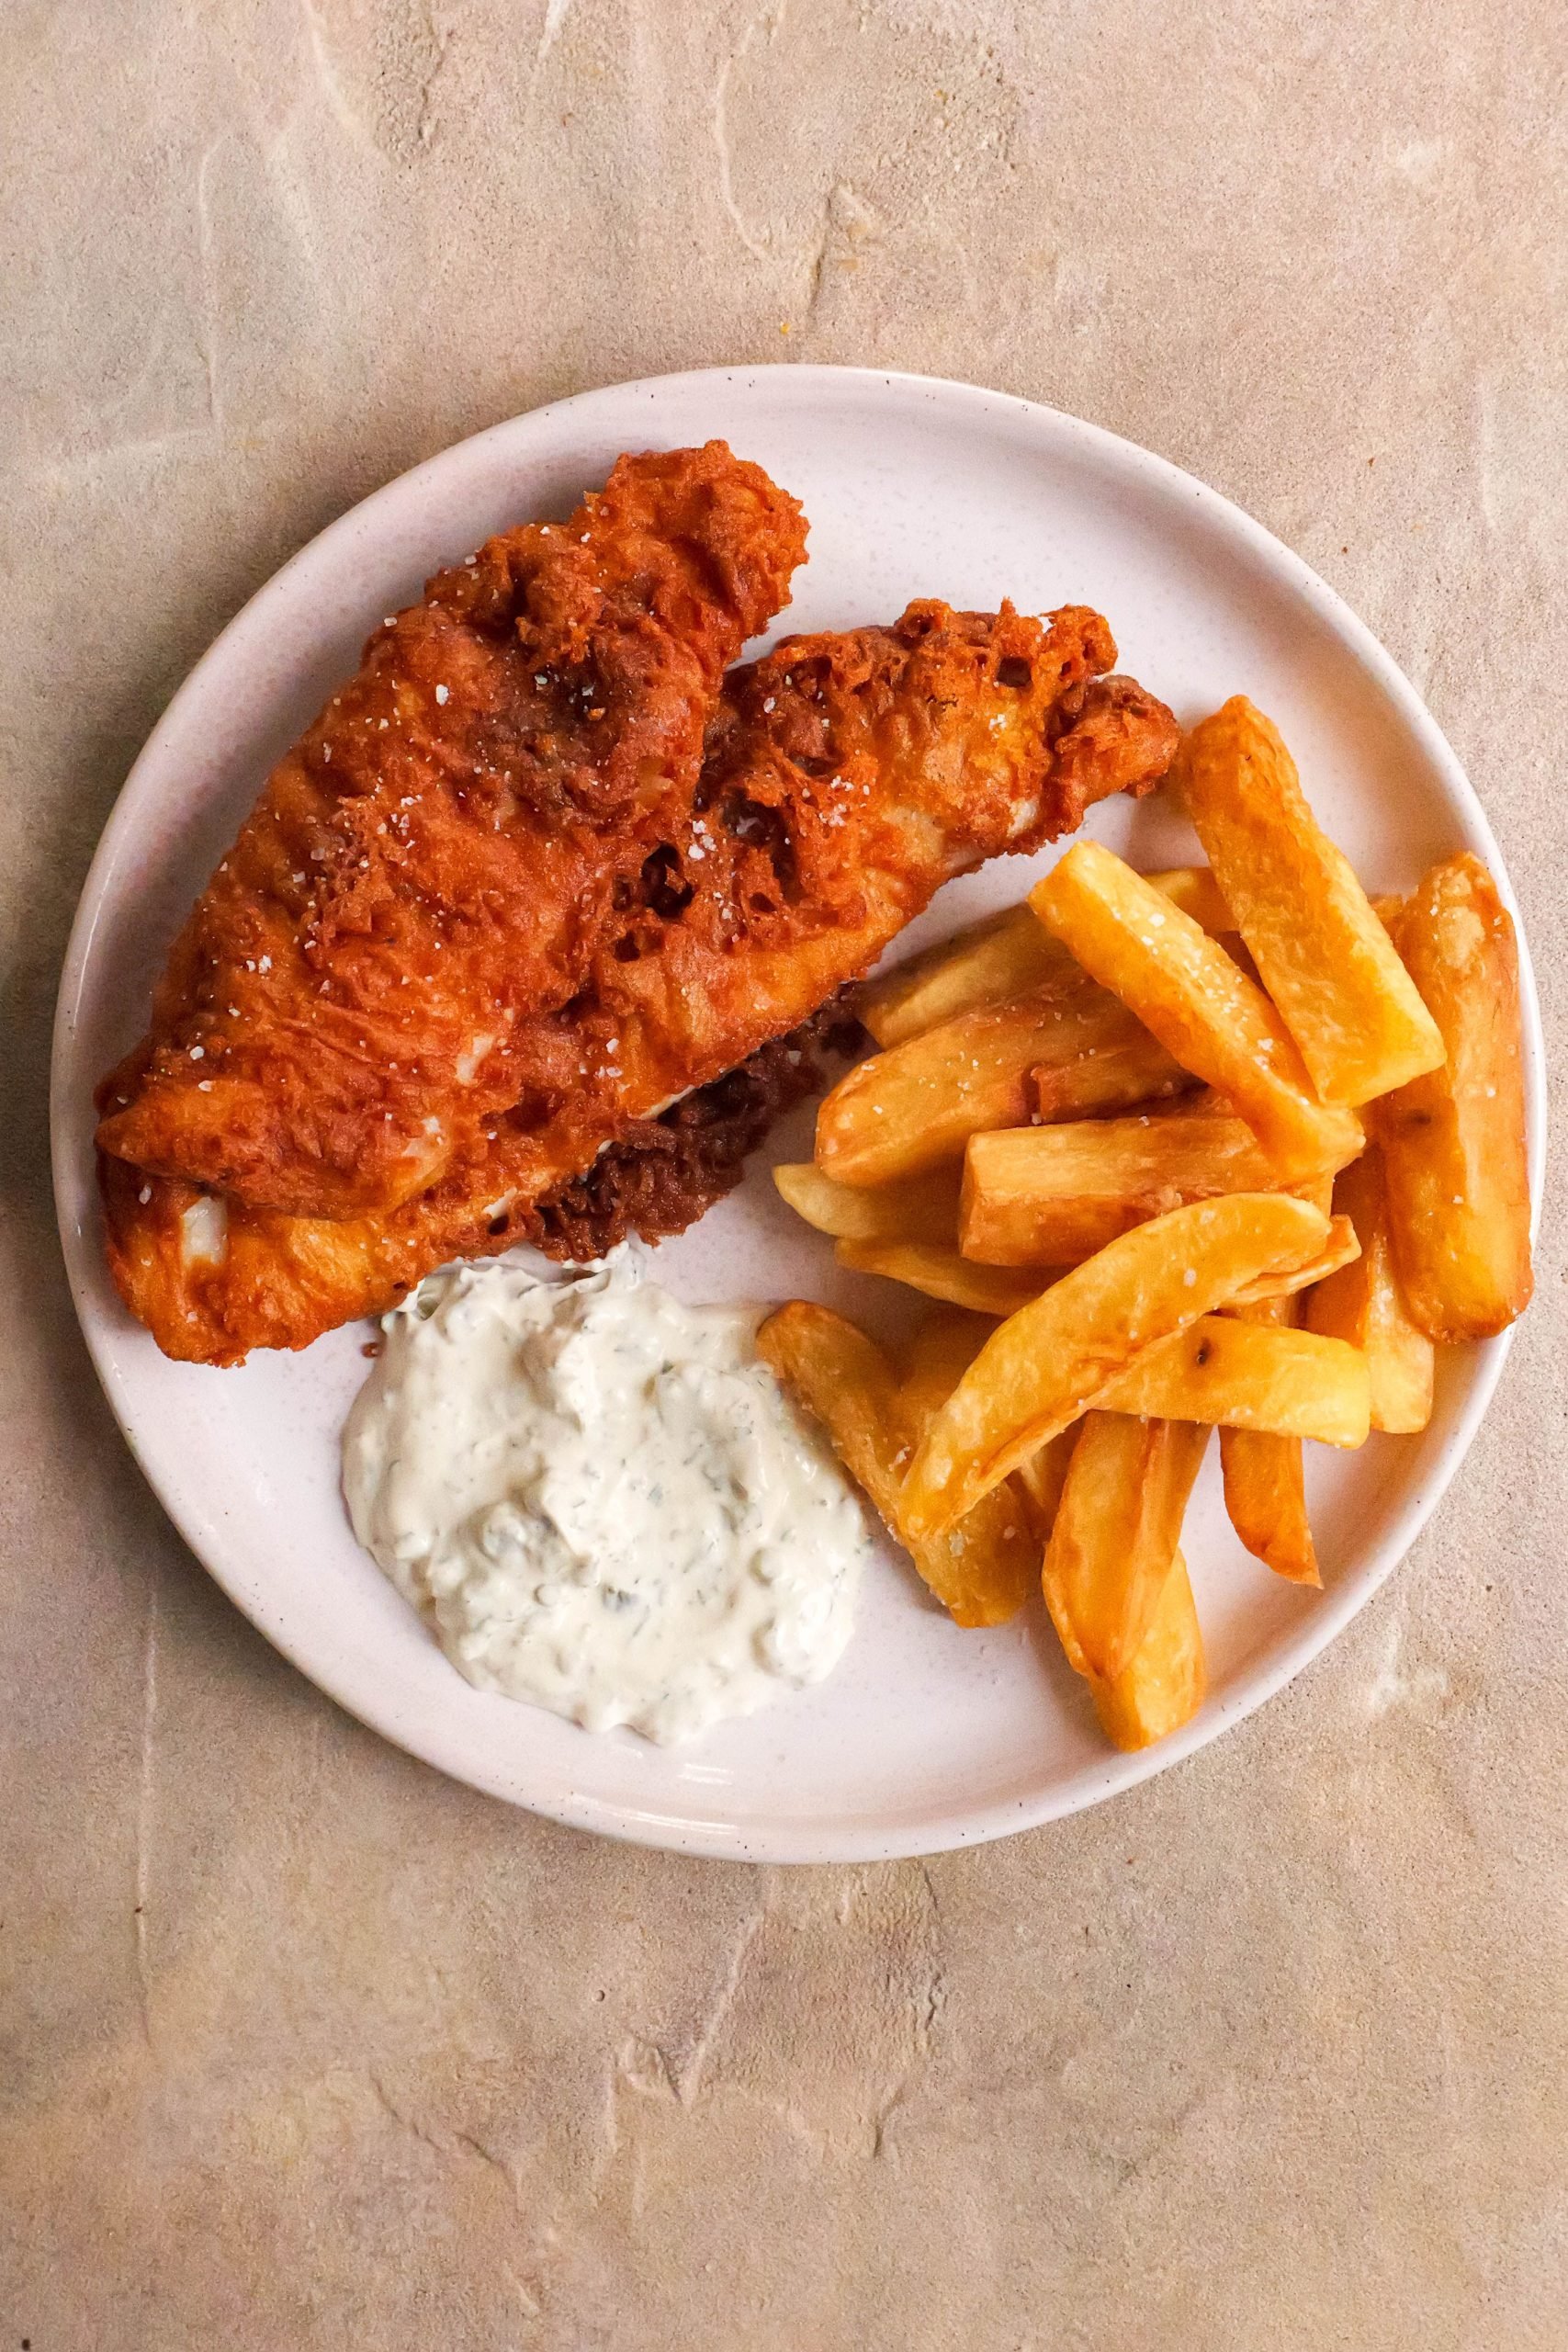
x=847, y=777
x=441, y=855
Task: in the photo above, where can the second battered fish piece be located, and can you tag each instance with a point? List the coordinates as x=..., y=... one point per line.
x=848, y=776
x=439, y=857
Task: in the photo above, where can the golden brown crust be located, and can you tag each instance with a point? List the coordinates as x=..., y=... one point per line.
x=438, y=858
x=848, y=776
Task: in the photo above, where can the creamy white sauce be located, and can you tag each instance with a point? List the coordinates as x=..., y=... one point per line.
x=599, y=1501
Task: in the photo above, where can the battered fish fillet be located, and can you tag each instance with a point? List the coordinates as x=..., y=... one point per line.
x=443, y=853
x=847, y=777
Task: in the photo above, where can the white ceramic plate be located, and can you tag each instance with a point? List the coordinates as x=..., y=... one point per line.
x=926, y=1736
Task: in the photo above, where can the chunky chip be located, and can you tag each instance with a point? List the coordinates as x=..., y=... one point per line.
x=1050, y=1197
x=1290, y=1384
x=918, y=1105
x=922, y=1208
x=1116, y=1531
x=1264, y=1485
x=1190, y=994
x=1048, y=1362
x=980, y=1571
x=1004, y=956
x=1454, y=1148
x=1165, y=1683
x=1322, y=953
x=942, y=1274
x=1339, y=1249
x=938, y=1355
x=1363, y=1303
x=1040, y=1479
x=1194, y=890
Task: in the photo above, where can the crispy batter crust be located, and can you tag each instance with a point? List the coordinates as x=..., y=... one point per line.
x=847, y=777
x=440, y=855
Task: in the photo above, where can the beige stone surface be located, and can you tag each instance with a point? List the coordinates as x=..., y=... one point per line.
x=301, y=2046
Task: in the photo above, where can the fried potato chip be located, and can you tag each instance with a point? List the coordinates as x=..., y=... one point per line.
x=942, y=1274
x=1265, y=1501
x=995, y=1547
x=1116, y=1533
x=1004, y=956
x=939, y=1355
x=1291, y=1383
x=1050, y=1197
x=1046, y=1363
x=1265, y=1490
x=1323, y=955
x=1040, y=1479
x=917, y=1104
x=1167, y=1682
x=1194, y=890
x=1319, y=1189
x=1340, y=1249
x=1454, y=1149
x=1203, y=1010
x=980, y=1571
x=921, y=1208
x=1363, y=1303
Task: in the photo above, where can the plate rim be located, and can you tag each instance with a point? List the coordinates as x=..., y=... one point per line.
x=955, y=1825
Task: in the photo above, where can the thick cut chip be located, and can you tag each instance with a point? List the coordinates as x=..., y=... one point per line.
x=942, y=1274
x=1200, y=1005
x=1048, y=1362
x=987, y=1564
x=1320, y=950
x=1291, y=1383
x=981, y=1571
x=1265, y=1490
x=1363, y=1303
x=1040, y=1480
x=936, y=1359
x=1340, y=1249
x=923, y=1208
x=1166, y=1684
x=1050, y=1197
x=1000, y=1537
x=1319, y=1189
x=940, y=1354
x=1006, y=954
x=1116, y=1533
x=919, y=1104
x=1194, y=890
x=1454, y=1152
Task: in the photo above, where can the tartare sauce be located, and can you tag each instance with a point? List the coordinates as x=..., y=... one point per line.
x=600, y=1499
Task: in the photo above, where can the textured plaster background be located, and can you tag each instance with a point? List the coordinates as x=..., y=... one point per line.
x=300, y=2046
